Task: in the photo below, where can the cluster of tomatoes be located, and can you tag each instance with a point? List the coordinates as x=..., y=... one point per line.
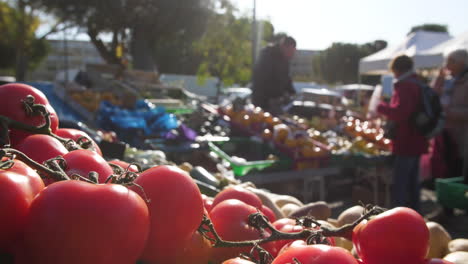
x=154, y=218
x=399, y=235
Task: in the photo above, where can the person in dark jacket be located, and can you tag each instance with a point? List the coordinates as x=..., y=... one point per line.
x=408, y=144
x=271, y=80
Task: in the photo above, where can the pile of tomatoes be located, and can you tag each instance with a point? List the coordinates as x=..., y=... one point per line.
x=155, y=218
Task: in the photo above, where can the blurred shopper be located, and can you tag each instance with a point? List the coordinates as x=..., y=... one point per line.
x=452, y=145
x=271, y=82
x=408, y=144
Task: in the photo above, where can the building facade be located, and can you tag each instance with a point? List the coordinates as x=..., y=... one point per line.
x=302, y=65
x=65, y=55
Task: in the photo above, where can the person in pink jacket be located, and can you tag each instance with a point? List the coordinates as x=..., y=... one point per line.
x=408, y=144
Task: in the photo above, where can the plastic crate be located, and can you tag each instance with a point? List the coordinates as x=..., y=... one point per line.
x=452, y=193
x=179, y=111
x=253, y=151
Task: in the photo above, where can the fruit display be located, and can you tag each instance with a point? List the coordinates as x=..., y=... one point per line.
x=289, y=137
x=367, y=132
x=70, y=205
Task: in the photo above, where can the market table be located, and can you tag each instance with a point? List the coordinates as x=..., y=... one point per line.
x=309, y=177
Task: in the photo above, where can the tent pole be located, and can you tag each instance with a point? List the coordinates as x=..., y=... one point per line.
x=359, y=90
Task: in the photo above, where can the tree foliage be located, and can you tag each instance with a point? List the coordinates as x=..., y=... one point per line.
x=429, y=27
x=140, y=25
x=20, y=49
x=226, y=47
x=340, y=62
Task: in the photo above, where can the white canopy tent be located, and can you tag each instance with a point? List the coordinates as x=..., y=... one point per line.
x=436, y=54
x=414, y=44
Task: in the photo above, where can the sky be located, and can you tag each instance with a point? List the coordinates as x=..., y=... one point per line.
x=316, y=24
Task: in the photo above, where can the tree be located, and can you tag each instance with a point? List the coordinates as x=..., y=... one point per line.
x=20, y=48
x=429, y=27
x=226, y=47
x=138, y=24
x=340, y=62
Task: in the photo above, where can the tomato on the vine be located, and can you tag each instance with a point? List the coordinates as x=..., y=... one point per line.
x=286, y=225
x=315, y=254
x=230, y=220
x=238, y=261
x=18, y=187
x=79, y=222
x=76, y=134
x=399, y=235
x=83, y=161
x=35, y=182
x=11, y=105
x=41, y=147
x=207, y=202
x=176, y=210
x=124, y=165
x=197, y=250
x=266, y=211
x=239, y=193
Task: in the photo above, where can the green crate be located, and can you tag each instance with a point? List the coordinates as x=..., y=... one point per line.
x=452, y=193
x=179, y=111
x=253, y=151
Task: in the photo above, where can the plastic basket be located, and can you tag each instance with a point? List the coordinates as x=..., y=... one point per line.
x=452, y=193
x=253, y=151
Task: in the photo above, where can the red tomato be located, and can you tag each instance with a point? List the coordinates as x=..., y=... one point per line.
x=238, y=261
x=176, y=210
x=399, y=235
x=83, y=161
x=41, y=147
x=75, y=134
x=230, y=219
x=291, y=244
x=207, y=202
x=239, y=193
x=11, y=96
x=79, y=222
x=278, y=224
x=286, y=225
x=16, y=194
x=315, y=254
x=36, y=183
x=125, y=165
x=268, y=213
x=196, y=251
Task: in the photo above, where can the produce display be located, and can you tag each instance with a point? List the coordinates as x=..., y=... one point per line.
x=291, y=139
x=62, y=202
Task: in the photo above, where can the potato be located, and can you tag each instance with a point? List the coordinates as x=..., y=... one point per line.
x=281, y=200
x=460, y=244
x=319, y=210
x=287, y=209
x=333, y=221
x=350, y=215
x=439, y=239
x=344, y=243
x=457, y=257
